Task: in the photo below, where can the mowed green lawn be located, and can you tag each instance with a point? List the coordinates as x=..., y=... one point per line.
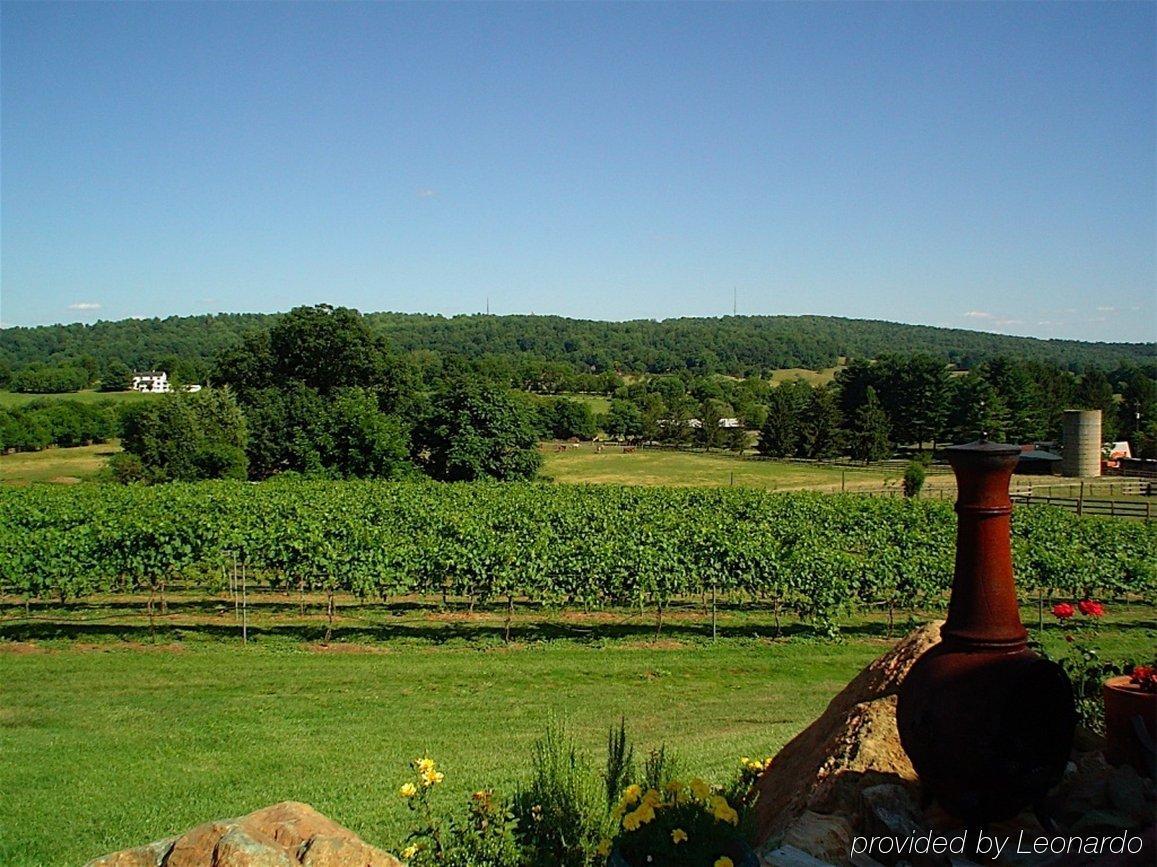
x=105, y=750
x=584, y=464
x=116, y=743
x=63, y=466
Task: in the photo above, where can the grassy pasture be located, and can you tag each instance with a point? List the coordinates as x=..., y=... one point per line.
x=811, y=377
x=584, y=464
x=597, y=402
x=12, y=398
x=133, y=741
x=64, y=466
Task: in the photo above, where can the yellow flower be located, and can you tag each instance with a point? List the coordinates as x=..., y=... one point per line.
x=409, y=852
x=408, y=790
x=653, y=798
x=604, y=848
x=722, y=811
x=679, y=836
x=700, y=789
x=674, y=786
x=632, y=793
x=755, y=765
x=724, y=862
x=644, y=814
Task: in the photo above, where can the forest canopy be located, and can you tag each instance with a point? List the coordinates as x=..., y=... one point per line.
x=734, y=345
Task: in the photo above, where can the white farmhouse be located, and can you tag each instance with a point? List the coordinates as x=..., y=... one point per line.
x=151, y=381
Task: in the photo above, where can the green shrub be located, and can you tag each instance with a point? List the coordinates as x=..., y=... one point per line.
x=561, y=812
x=913, y=478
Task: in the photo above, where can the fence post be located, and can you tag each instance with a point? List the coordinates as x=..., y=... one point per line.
x=244, y=608
x=1081, y=501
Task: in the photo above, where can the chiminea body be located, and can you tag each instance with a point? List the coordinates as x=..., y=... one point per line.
x=987, y=723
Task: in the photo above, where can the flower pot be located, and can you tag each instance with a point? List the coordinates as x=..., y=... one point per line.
x=739, y=852
x=1130, y=724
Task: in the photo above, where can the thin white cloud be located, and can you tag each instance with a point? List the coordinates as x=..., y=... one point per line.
x=991, y=317
x=84, y=305
x=1106, y=309
x=425, y=193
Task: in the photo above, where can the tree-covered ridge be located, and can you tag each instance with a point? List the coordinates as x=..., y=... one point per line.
x=737, y=345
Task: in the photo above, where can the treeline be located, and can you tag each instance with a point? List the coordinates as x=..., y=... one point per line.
x=872, y=407
x=321, y=395
x=550, y=353
x=42, y=423
x=813, y=554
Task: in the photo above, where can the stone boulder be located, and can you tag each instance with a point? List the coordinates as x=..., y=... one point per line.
x=289, y=834
x=854, y=745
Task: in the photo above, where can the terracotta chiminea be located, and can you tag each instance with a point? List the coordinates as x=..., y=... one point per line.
x=987, y=723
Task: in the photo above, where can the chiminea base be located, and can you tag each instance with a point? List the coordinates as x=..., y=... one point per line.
x=989, y=733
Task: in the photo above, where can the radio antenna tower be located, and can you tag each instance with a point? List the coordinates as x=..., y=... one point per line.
x=734, y=301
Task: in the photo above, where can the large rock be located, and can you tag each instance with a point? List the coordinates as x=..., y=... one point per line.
x=852, y=746
x=283, y=835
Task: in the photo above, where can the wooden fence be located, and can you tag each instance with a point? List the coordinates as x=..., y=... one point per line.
x=1142, y=509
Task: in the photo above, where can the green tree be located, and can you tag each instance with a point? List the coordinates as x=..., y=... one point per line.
x=117, y=377
x=477, y=431
x=780, y=435
x=1021, y=396
x=869, y=438
x=364, y=442
x=709, y=434
x=186, y=437
x=571, y=418
x=820, y=434
x=328, y=348
x=977, y=410
x=624, y=420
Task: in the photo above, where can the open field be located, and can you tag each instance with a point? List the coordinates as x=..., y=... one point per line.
x=811, y=377
x=184, y=731
x=12, y=398
x=597, y=402
x=581, y=464
x=584, y=464
x=64, y=466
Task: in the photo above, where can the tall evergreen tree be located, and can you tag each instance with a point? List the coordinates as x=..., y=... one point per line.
x=869, y=439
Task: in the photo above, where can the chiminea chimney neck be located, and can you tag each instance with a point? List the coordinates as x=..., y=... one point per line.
x=983, y=612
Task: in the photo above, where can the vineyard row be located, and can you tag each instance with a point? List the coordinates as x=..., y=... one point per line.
x=815, y=554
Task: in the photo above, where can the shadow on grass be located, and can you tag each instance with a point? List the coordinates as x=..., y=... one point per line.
x=483, y=634
x=640, y=630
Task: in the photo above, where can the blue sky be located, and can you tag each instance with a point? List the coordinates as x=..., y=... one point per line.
x=979, y=166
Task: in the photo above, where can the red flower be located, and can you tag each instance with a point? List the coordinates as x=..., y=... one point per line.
x=1063, y=611
x=1145, y=676
x=1090, y=608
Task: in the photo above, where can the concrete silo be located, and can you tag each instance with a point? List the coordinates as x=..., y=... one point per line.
x=1082, y=440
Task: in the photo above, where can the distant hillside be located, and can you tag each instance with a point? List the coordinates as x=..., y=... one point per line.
x=736, y=345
